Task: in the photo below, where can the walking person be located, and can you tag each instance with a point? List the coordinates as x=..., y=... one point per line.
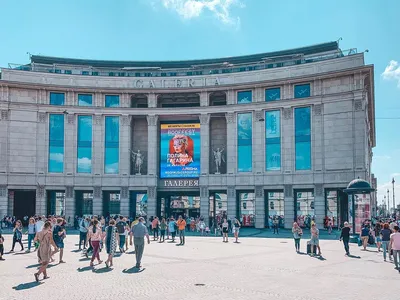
x=297, y=233
x=155, y=226
x=181, y=227
x=31, y=233
x=111, y=241
x=83, y=229
x=1, y=247
x=58, y=237
x=17, y=236
x=225, y=230
x=236, y=228
x=330, y=224
x=121, y=224
x=95, y=235
x=45, y=239
x=365, y=236
x=163, y=228
x=378, y=239
x=315, y=239
x=395, y=246
x=139, y=231
x=172, y=227
x=345, y=237
x=385, y=234
x=275, y=222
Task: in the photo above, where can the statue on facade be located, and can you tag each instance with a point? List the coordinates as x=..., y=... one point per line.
x=138, y=158
x=218, y=159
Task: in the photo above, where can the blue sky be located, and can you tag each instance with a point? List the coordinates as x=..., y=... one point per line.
x=187, y=29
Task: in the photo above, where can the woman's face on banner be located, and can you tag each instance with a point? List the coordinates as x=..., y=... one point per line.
x=179, y=145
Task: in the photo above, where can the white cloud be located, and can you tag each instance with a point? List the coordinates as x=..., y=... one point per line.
x=112, y=168
x=392, y=72
x=58, y=157
x=190, y=9
x=84, y=164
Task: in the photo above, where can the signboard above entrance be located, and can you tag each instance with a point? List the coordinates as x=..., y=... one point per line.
x=183, y=183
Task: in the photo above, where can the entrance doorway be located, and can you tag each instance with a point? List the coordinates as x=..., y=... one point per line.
x=218, y=207
x=56, y=203
x=24, y=203
x=84, y=203
x=111, y=203
x=274, y=208
x=186, y=204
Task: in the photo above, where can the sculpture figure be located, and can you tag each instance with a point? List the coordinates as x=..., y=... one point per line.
x=138, y=158
x=218, y=158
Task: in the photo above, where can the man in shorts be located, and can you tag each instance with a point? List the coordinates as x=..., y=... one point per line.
x=315, y=239
x=58, y=237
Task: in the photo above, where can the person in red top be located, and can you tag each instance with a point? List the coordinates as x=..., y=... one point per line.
x=181, y=227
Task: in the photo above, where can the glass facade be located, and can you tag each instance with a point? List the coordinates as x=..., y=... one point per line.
x=56, y=143
x=112, y=101
x=85, y=99
x=305, y=212
x=272, y=94
x=332, y=207
x=273, y=140
x=244, y=139
x=114, y=204
x=303, y=138
x=244, y=97
x=87, y=204
x=302, y=90
x=57, y=98
x=56, y=203
x=111, y=151
x=218, y=207
x=275, y=206
x=247, y=209
x=84, y=146
x=141, y=204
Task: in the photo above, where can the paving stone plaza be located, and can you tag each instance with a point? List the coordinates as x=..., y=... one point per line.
x=206, y=268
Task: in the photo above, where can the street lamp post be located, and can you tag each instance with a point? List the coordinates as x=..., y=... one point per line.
x=388, y=199
x=384, y=201
x=394, y=201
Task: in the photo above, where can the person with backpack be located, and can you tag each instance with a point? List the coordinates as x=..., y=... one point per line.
x=17, y=235
x=83, y=229
x=121, y=224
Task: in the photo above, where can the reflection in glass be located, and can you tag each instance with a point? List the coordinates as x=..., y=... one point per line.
x=114, y=204
x=362, y=210
x=247, y=209
x=85, y=100
x=56, y=203
x=218, y=207
x=273, y=140
x=244, y=97
x=111, y=151
x=141, y=205
x=245, y=139
x=112, y=101
x=272, y=94
x=57, y=98
x=276, y=208
x=187, y=205
x=332, y=207
x=56, y=143
x=302, y=90
x=87, y=207
x=84, y=147
x=303, y=138
x=305, y=208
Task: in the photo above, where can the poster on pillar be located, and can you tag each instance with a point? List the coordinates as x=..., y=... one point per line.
x=180, y=150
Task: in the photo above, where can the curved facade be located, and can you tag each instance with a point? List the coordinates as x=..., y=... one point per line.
x=254, y=136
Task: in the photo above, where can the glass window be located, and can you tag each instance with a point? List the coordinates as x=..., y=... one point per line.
x=218, y=207
x=332, y=207
x=85, y=100
x=272, y=94
x=272, y=140
x=244, y=97
x=84, y=163
x=302, y=90
x=141, y=205
x=112, y=101
x=276, y=208
x=56, y=143
x=57, y=98
x=362, y=210
x=245, y=138
x=247, y=209
x=303, y=138
x=305, y=212
x=55, y=203
x=114, y=204
x=111, y=155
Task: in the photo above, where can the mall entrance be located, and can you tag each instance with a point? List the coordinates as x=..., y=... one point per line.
x=176, y=203
x=24, y=203
x=336, y=207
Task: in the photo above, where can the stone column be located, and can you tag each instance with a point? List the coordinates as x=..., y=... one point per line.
x=152, y=147
x=124, y=209
x=98, y=145
x=42, y=142
x=258, y=143
x=231, y=152
x=152, y=100
x=69, y=203
x=205, y=143
x=204, y=98
x=319, y=205
x=4, y=123
x=98, y=99
x=125, y=145
x=70, y=145
x=41, y=202
x=360, y=157
x=232, y=203
x=289, y=205
x=287, y=140
x=318, y=141
x=151, y=201
x=260, y=207
x=97, y=201
x=230, y=97
x=204, y=204
x=258, y=95
x=125, y=100
x=3, y=201
x=70, y=98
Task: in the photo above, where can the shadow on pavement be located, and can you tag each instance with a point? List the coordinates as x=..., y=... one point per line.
x=76, y=251
x=84, y=259
x=21, y=253
x=354, y=256
x=84, y=269
x=26, y=286
x=301, y=253
x=133, y=270
x=102, y=270
x=33, y=266
x=130, y=252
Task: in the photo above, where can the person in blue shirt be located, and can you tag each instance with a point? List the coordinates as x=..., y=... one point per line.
x=365, y=236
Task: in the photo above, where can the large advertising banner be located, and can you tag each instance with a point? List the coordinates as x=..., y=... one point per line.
x=180, y=150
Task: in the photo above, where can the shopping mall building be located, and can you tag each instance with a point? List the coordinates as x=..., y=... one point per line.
x=254, y=136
